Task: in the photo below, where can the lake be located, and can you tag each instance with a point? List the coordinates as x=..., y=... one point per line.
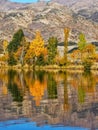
x=40, y=100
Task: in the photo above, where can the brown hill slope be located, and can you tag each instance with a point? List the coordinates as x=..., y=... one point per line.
x=50, y=18
x=86, y=8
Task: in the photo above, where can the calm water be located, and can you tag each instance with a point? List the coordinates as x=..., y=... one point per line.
x=48, y=100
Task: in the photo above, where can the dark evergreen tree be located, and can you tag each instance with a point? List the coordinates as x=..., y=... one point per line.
x=14, y=45
x=16, y=41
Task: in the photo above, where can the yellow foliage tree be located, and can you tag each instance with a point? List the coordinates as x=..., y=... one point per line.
x=66, y=36
x=75, y=55
x=36, y=47
x=90, y=50
x=96, y=57
x=4, y=57
x=5, y=44
x=21, y=51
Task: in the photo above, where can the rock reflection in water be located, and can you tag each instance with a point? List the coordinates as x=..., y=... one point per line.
x=60, y=98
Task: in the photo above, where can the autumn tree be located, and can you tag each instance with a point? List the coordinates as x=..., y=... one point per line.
x=35, y=49
x=52, y=49
x=5, y=44
x=75, y=55
x=21, y=51
x=90, y=50
x=96, y=57
x=66, y=36
x=88, y=56
x=4, y=57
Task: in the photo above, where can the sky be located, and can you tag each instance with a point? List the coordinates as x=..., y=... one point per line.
x=25, y=1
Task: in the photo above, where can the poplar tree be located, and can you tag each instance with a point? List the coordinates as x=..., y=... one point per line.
x=82, y=44
x=66, y=36
x=52, y=49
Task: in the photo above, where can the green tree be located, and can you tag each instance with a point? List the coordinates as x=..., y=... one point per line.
x=82, y=44
x=14, y=45
x=52, y=49
x=89, y=56
x=16, y=41
x=87, y=51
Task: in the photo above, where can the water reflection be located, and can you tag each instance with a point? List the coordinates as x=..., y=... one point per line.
x=14, y=86
x=48, y=98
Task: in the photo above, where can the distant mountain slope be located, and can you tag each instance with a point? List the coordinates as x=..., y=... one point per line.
x=78, y=3
x=7, y=5
x=50, y=18
x=87, y=8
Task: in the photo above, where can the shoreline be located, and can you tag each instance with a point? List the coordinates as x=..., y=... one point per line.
x=49, y=67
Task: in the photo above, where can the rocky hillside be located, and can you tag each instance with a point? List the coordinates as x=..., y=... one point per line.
x=6, y=5
x=86, y=8
x=50, y=18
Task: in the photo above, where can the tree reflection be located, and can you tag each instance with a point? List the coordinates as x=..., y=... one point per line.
x=74, y=96
x=51, y=87
x=89, y=82
x=81, y=93
x=84, y=84
x=3, y=82
x=37, y=86
x=66, y=104
x=40, y=75
x=13, y=86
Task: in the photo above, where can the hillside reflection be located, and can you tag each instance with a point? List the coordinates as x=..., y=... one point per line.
x=65, y=98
